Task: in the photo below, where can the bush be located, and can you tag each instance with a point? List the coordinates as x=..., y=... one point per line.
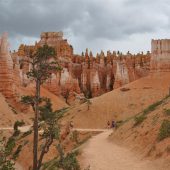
x=10, y=145
x=18, y=124
x=16, y=153
x=139, y=119
x=69, y=162
x=26, y=133
x=167, y=112
x=119, y=123
x=5, y=163
x=16, y=133
x=75, y=136
x=164, y=131
x=152, y=107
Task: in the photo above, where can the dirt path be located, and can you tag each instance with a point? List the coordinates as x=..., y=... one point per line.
x=89, y=130
x=101, y=154
x=22, y=129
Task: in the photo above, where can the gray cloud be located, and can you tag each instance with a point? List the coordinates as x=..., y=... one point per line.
x=33, y=16
x=85, y=21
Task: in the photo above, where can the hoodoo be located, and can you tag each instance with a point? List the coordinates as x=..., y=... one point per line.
x=6, y=68
x=86, y=73
x=160, y=58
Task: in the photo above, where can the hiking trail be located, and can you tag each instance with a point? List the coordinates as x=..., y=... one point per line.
x=101, y=154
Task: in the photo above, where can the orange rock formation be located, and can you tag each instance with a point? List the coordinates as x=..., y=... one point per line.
x=160, y=60
x=6, y=68
x=85, y=73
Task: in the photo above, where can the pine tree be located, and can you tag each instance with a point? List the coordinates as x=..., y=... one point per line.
x=43, y=64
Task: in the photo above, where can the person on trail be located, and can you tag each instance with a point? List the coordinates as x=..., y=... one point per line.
x=113, y=123
x=108, y=124
x=71, y=124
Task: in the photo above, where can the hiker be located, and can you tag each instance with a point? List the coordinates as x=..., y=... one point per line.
x=71, y=124
x=113, y=123
x=108, y=124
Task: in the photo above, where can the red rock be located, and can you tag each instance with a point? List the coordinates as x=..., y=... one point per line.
x=86, y=73
x=6, y=68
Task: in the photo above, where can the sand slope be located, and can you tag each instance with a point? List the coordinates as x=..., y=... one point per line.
x=119, y=104
x=4, y=111
x=9, y=113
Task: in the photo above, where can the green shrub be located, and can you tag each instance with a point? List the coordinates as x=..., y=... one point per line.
x=167, y=112
x=119, y=123
x=66, y=162
x=139, y=119
x=16, y=133
x=10, y=145
x=51, y=165
x=16, y=153
x=5, y=163
x=69, y=162
x=26, y=133
x=75, y=136
x=18, y=124
x=164, y=131
x=152, y=107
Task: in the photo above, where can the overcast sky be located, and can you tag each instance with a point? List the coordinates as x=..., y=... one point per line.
x=97, y=24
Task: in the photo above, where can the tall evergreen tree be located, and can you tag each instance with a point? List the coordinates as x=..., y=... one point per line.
x=43, y=63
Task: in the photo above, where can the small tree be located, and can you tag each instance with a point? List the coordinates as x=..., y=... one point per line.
x=88, y=104
x=67, y=161
x=50, y=128
x=48, y=125
x=5, y=163
x=9, y=150
x=43, y=63
x=87, y=101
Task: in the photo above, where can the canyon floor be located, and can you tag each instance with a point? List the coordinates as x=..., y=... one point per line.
x=127, y=148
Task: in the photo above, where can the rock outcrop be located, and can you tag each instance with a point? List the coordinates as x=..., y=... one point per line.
x=7, y=87
x=55, y=39
x=92, y=75
x=131, y=67
x=160, y=60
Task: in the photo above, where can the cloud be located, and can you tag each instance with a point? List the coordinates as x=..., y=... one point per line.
x=86, y=22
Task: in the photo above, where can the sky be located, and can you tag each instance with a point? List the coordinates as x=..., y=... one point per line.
x=124, y=25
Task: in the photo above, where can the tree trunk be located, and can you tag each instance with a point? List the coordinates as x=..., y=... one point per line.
x=44, y=151
x=35, y=144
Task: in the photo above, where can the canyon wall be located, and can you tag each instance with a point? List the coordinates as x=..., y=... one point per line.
x=160, y=60
x=86, y=73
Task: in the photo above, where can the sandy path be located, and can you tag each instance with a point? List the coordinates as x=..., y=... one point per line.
x=89, y=130
x=27, y=128
x=22, y=129
x=101, y=154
